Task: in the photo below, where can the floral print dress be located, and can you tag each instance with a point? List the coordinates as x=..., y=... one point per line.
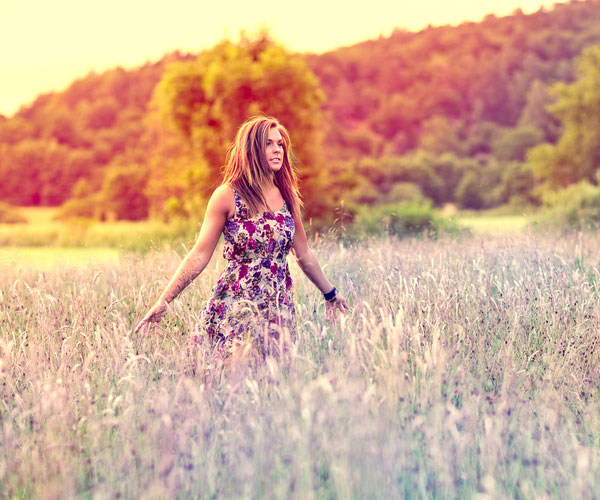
x=253, y=295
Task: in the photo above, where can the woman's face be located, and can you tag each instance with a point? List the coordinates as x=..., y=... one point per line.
x=274, y=149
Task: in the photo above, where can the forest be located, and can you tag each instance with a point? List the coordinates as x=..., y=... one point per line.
x=502, y=112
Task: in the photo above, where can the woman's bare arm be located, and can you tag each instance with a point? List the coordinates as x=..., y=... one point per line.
x=220, y=206
x=312, y=269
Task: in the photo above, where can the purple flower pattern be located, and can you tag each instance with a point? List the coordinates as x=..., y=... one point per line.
x=254, y=293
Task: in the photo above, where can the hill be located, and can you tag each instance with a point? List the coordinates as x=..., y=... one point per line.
x=476, y=90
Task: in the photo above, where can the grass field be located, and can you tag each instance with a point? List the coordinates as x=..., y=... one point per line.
x=466, y=368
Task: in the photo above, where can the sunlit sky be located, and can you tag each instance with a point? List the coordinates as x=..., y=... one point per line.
x=46, y=44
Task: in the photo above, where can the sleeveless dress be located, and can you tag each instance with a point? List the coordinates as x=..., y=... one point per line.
x=253, y=295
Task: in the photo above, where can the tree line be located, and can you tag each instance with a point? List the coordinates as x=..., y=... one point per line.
x=480, y=114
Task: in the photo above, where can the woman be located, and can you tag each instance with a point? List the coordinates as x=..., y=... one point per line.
x=257, y=208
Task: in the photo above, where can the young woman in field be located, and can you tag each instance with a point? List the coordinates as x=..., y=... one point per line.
x=257, y=208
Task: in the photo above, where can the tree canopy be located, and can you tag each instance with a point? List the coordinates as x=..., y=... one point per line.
x=576, y=155
x=208, y=99
x=448, y=113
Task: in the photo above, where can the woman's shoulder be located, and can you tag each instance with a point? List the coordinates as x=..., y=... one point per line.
x=224, y=198
x=224, y=191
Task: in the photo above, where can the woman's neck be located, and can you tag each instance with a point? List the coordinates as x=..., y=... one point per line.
x=270, y=184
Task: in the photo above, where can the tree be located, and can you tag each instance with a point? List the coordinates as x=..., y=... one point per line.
x=37, y=172
x=536, y=114
x=122, y=195
x=208, y=99
x=441, y=135
x=513, y=144
x=576, y=156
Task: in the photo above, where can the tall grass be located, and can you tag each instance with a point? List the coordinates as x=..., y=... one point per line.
x=464, y=369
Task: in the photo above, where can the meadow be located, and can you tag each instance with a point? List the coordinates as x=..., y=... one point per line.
x=466, y=367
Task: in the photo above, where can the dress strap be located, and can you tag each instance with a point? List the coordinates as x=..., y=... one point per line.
x=240, y=207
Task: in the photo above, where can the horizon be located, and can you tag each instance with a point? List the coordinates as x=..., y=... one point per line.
x=47, y=60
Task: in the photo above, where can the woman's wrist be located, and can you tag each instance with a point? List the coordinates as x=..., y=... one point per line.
x=330, y=296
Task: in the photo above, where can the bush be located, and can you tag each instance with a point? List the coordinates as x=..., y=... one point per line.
x=75, y=208
x=399, y=219
x=513, y=144
x=405, y=191
x=577, y=205
x=9, y=215
x=121, y=197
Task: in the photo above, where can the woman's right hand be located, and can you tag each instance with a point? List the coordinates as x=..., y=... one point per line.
x=154, y=315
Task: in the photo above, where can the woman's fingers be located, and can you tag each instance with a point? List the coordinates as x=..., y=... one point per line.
x=332, y=306
x=330, y=311
x=331, y=315
x=144, y=321
x=154, y=315
x=146, y=325
x=341, y=304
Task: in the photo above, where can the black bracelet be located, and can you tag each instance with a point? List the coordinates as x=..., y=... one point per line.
x=330, y=295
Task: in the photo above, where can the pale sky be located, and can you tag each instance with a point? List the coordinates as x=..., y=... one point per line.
x=46, y=44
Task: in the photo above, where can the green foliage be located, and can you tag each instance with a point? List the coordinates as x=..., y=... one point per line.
x=87, y=207
x=491, y=183
x=495, y=71
x=405, y=191
x=514, y=143
x=469, y=193
x=482, y=136
x=122, y=197
x=536, y=114
x=516, y=186
x=441, y=135
x=36, y=172
x=208, y=99
x=420, y=176
x=576, y=156
x=398, y=219
x=452, y=89
x=577, y=205
x=9, y=215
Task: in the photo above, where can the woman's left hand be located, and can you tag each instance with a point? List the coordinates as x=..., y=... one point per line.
x=333, y=306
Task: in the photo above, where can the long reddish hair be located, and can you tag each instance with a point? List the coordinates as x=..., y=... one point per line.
x=247, y=169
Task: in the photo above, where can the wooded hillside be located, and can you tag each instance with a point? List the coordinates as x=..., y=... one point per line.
x=451, y=113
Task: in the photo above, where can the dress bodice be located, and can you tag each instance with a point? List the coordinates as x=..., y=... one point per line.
x=265, y=235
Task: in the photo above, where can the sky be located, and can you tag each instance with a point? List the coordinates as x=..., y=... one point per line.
x=46, y=44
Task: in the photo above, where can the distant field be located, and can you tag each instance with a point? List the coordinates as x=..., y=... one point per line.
x=38, y=215
x=43, y=231
x=51, y=257
x=485, y=224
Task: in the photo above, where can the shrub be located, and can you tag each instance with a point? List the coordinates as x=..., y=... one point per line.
x=405, y=191
x=121, y=197
x=399, y=219
x=87, y=207
x=577, y=205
